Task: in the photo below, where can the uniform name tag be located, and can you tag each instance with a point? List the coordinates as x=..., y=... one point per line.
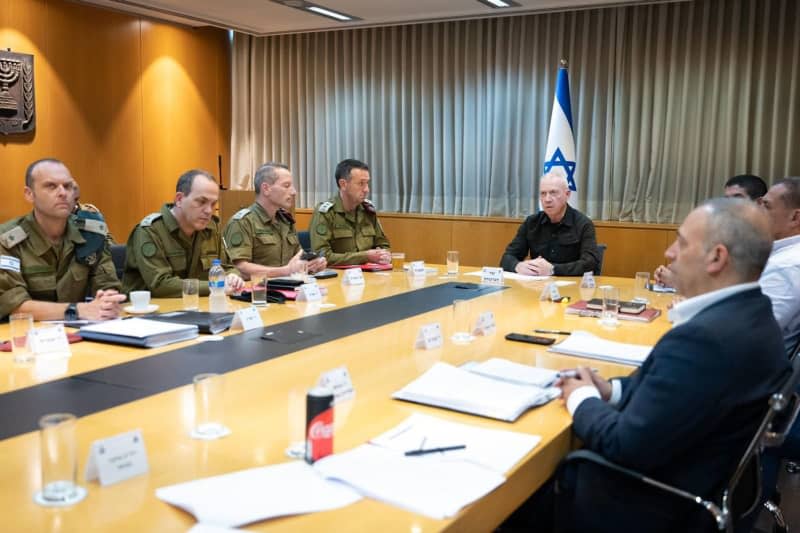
x=492, y=275
x=417, y=269
x=309, y=292
x=338, y=380
x=51, y=341
x=247, y=319
x=8, y=262
x=117, y=458
x=429, y=337
x=353, y=276
x=485, y=324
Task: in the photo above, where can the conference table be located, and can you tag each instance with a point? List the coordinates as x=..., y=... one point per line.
x=265, y=403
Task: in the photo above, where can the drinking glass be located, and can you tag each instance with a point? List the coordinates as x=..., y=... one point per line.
x=610, y=312
x=191, y=294
x=59, y=448
x=452, y=263
x=209, y=404
x=21, y=324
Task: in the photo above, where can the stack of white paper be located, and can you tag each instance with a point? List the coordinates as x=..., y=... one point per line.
x=424, y=484
x=512, y=275
x=246, y=496
x=515, y=372
x=584, y=344
x=454, y=388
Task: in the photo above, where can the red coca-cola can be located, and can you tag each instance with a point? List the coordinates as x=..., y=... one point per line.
x=319, y=423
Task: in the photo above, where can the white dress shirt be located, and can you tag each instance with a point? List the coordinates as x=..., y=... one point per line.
x=780, y=281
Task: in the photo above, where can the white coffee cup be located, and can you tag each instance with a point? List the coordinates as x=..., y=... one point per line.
x=140, y=299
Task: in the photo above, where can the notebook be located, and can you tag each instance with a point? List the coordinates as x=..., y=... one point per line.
x=212, y=323
x=444, y=385
x=141, y=332
x=584, y=344
x=580, y=308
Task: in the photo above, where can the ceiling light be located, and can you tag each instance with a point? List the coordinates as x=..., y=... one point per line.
x=328, y=13
x=499, y=3
x=310, y=7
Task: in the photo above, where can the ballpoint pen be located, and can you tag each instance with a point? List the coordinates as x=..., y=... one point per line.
x=552, y=331
x=436, y=450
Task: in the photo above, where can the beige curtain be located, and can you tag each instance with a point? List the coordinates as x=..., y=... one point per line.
x=668, y=101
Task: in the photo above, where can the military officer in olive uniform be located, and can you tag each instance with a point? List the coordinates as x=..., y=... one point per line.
x=47, y=267
x=261, y=239
x=346, y=228
x=178, y=242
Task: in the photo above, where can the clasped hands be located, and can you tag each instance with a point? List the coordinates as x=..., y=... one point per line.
x=535, y=267
x=584, y=377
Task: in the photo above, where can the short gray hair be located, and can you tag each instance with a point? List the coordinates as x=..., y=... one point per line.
x=742, y=227
x=791, y=196
x=267, y=173
x=559, y=176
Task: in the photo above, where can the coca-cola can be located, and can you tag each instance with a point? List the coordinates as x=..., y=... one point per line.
x=319, y=423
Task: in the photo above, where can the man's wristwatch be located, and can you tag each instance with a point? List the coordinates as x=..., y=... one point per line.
x=72, y=312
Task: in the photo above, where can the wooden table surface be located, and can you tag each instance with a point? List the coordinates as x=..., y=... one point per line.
x=265, y=409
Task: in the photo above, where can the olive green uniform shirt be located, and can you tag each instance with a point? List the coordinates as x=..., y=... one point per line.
x=251, y=235
x=31, y=268
x=159, y=255
x=343, y=237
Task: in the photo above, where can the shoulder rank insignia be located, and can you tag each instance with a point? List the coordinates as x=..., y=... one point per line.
x=285, y=215
x=368, y=206
x=324, y=207
x=241, y=213
x=149, y=219
x=13, y=237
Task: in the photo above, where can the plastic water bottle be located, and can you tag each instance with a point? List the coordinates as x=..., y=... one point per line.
x=217, y=301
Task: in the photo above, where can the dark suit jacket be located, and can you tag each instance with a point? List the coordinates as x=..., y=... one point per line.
x=686, y=416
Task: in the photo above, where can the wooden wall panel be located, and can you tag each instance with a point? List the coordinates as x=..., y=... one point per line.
x=126, y=102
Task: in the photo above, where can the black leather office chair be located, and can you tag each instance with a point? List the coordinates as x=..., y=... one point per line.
x=118, y=257
x=601, y=252
x=305, y=240
x=742, y=493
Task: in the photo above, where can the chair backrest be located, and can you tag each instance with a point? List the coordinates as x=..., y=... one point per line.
x=790, y=398
x=601, y=252
x=305, y=240
x=780, y=403
x=118, y=257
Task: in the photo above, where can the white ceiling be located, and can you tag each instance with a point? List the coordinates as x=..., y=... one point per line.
x=264, y=17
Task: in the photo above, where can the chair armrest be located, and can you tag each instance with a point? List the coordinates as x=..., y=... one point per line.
x=721, y=517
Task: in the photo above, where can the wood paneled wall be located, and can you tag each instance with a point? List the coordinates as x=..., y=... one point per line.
x=481, y=240
x=127, y=103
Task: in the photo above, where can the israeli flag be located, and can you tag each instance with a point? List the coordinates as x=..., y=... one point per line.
x=560, y=154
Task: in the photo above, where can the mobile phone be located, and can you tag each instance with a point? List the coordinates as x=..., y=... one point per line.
x=532, y=339
x=308, y=256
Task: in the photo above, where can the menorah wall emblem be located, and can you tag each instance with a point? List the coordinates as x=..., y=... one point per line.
x=17, y=103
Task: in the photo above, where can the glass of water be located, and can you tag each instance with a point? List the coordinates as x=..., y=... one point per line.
x=452, y=263
x=259, y=290
x=191, y=294
x=610, y=313
x=59, y=448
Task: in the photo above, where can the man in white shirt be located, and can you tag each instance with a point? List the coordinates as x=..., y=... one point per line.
x=686, y=416
x=781, y=278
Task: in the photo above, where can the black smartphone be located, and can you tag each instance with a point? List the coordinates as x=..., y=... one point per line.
x=532, y=339
x=308, y=256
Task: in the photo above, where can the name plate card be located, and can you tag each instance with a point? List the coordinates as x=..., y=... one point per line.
x=353, y=276
x=485, y=324
x=492, y=275
x=117, y=458
x=429, y=337
x=550, y=292
x=247, y=319
x=588, y=282
x=51, y=340
x=309, y=292
x=338, y=380
x=417, y=269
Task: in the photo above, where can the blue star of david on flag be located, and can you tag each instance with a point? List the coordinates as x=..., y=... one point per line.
x=560, y=153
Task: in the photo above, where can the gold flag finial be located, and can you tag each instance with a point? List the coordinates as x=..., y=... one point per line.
x=564, y=63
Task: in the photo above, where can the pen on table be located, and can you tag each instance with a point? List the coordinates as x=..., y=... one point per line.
x=572, y=373
x=436, y=450
x=552, y=331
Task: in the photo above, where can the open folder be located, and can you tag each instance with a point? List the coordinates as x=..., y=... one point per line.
x=454, y=388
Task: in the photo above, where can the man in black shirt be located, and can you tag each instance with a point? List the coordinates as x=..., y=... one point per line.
x=559, y=239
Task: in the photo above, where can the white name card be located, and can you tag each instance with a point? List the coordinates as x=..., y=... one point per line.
x=588, y=282
x=417, y=269
x=117, y=458
x=309, y=292
x=247, y=319
x=338, y=380
x=51, y=340
x=429, y=337
x=485, y=324
x=353, y=276
x=492, y=275
x=550, y=292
